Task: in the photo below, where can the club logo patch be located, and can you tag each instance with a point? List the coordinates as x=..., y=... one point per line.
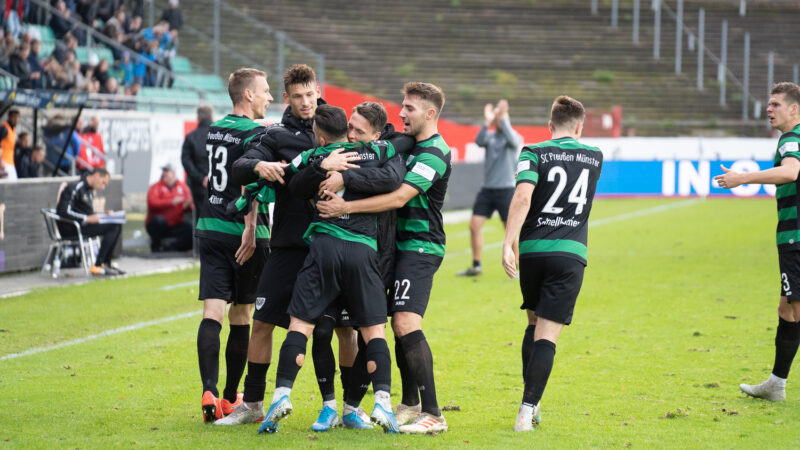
x=260, y=302
x=424, y=170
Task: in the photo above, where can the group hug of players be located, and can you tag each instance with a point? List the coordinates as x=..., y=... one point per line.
x=356, y=237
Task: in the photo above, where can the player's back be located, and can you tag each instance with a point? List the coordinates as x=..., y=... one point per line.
x=226, y=140
x=565, y=173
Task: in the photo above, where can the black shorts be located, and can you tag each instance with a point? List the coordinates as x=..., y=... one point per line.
x=550, y=286
x=413, y=280
x=789, y=263
x=339, y=313
x=276, y=284
x=223, y=278
x=490, y=200
x=337, y=269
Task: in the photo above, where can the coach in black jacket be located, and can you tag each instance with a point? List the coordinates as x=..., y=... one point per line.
x=76, y=203
x=194, y=156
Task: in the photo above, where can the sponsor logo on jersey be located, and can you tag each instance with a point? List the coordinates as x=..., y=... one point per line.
x=215, y=200
x=424, y=170
x=260, y=302
x=297, y=161
x=557, y=222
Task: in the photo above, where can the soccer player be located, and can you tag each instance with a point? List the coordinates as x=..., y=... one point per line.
x=419, y=252
x=501, y=146
x=342, y=263
x=552, y=243
x=231, y=252
x=783, y=111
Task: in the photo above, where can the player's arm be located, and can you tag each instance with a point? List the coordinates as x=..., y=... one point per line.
x=336, y=206
x=517, y=212
x=787, y=172
x=513, y=138
x=258, y=161
x=371, y=181
x=248, y=246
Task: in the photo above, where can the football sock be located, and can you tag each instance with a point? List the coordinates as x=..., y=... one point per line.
x=778, y=381
x=330, y=403
x=539, y=367
x=476, y=263
x=293, y=352
x=527, y=348
x=255, y=382
x=384, y=399
x=280, y=392
x=208, y=354
x=235, y=359
x=359, y=377
x=787, y=338
x=344, y=374
x=324, y=360
x=420, y=361
x=410, y=388
x=379, y=365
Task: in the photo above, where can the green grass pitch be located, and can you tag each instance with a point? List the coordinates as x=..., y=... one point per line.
x=678, y=307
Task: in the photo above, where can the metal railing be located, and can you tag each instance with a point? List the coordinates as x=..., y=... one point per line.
x=8, y=80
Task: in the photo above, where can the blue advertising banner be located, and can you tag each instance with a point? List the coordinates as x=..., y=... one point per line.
x=677, y=178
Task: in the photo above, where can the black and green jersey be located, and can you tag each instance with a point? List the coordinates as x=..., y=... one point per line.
x=565, y=174
x=419, y=223
x=360, y=227
x=788, y=233
x=225, y=144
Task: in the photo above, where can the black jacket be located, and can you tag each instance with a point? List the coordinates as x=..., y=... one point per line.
x=194, y=155
x=280, y=142
x=76, y=200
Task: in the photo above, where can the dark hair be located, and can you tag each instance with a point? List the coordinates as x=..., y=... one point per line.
x=331, y=120
x=100, y=171
x=13, y=111
x=298, y=74
x=240, y=80
x=791, y=90
x=374, y=112
x=205, y=112
x=566, y=111
x=425, y=91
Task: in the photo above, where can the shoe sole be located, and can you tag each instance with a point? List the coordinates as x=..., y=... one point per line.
x=279, y=415
x=384, y=423
x=210, y=413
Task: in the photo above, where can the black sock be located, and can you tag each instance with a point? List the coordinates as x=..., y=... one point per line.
x=344, y=374
x=322, y=354
x=476, y=263
x=208, y=354
x=235, y=359
x=378, y=353
x=787, y=339
x=293, y=346
x=255, y=382
x=410, y=388
x=359, y=377
x=527, y=348
x=539, y=367
x=420, y=361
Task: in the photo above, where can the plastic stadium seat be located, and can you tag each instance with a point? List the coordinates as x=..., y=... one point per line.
x=181, y=64
x=45, y=33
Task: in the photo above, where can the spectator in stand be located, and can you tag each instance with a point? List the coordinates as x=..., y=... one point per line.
x=59, y=23
x=128, y=69
x=8, y=140
x=9, y=45
x=87, y=9
x=107, y=8
x=111, y=86
x=194, y=156
x=30, y=165
x=101, y=72
x=64, y=47
x=92, y=140
x=19, y=67
x=116, y=25
x=173, y=16
x=22, y=147
x=56, y=133
x=79, y=80
x=167, y=201
x=3, y=56
x=37, y=71
x=136, y=7
x=15, y=11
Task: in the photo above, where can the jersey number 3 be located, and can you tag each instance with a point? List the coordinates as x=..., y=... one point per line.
x=577, y=195
x=217, y=158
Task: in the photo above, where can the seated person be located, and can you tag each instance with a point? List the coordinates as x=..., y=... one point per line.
x=31, y=162
x=76, y=203
x=167, y=201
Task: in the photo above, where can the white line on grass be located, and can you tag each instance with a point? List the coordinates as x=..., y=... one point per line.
x=604, y=221
x=176, y=286
x=136, y=326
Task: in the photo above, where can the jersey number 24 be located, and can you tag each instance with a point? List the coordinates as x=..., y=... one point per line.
x=577, y=195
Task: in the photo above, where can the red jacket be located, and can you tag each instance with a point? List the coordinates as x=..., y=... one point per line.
x=159, y=202
x=96, y=141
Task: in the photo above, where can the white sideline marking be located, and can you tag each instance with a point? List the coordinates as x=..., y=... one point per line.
x=604, y=221
x=136, y=326
x=176, y=286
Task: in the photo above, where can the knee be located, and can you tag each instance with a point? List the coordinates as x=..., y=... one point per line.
x=402, y=324
x=787, y=312
x=323, y=331
x=262, y=330
x=240, y=314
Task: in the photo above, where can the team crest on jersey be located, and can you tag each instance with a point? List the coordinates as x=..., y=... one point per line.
x=260, y=302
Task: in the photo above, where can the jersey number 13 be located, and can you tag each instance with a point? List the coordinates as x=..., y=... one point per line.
x=217, y=158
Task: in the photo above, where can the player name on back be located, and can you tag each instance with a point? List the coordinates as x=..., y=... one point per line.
x=558, y=221
x=219, y=136
x=570, y=157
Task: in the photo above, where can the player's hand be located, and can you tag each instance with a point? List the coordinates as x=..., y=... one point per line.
x=271, y=171
x=339, y=161
x=178, y=199
x=94, y=218
x=488, y=114
x=248, y=246
x=502, y=109
x=335, y=206
x=729, y=179
x=509, y=261
x=333, y=183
